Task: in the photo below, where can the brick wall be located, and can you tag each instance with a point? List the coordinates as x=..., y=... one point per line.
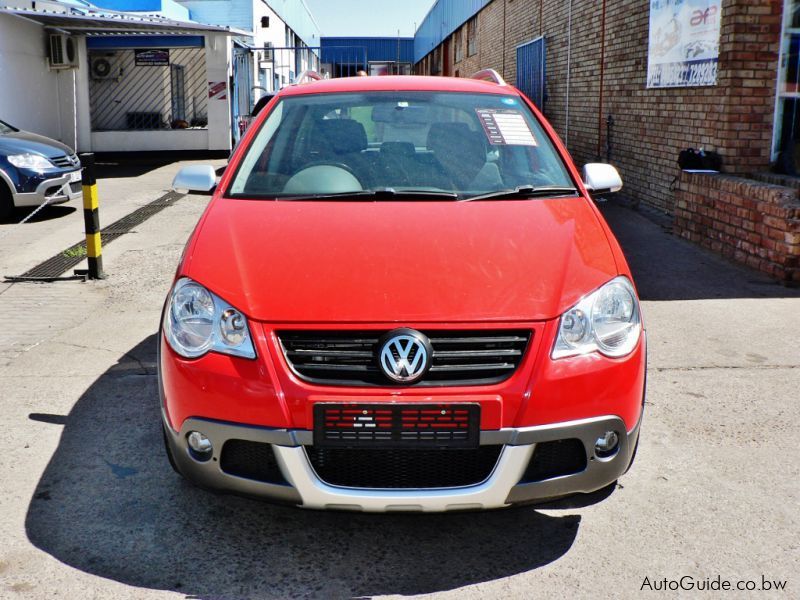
x=650, y=126
x=752, y=222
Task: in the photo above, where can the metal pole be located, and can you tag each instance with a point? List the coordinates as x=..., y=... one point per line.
x=91, y=218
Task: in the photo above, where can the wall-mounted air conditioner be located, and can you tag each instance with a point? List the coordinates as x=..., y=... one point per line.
x=104, y=67
x=62, y=51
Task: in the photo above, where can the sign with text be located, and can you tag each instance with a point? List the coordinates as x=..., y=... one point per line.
x=684, y=43
x=151, y=58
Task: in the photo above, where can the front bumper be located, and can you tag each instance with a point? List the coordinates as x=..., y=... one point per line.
x=502, y=488
x=56, y=190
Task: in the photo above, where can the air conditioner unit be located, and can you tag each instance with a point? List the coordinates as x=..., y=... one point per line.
x=63, y=51
x=104, y=67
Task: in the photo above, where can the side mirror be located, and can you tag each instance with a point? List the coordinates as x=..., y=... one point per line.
x=195, y=178
x=600, y=178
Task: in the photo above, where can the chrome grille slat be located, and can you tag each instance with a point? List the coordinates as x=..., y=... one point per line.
x=479, y=340
x=486, y=367
x=474, y=353
x=65, y=161
x=459, y=357
x=336, y=367
x=337, y=353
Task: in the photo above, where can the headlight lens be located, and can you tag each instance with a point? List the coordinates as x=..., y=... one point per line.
x=606, y=321
x=197, y=321
x=35, y=162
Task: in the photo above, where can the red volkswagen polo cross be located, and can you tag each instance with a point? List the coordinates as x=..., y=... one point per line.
x=401, y=297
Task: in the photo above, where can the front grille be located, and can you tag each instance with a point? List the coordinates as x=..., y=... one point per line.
x=555, y=459
x=65, y=162
x=75, y=187
x=350, y=358
x=252, y=460
x=403, y=468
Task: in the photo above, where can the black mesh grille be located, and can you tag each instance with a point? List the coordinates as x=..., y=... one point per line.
x=556, y=459
x=252, y=460
x=350, y=358
x=403, y=467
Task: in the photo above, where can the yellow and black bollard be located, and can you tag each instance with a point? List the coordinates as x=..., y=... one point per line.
x=91, y=218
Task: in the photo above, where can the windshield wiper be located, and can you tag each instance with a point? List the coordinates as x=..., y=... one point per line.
x=378, y=194
x=526, y=191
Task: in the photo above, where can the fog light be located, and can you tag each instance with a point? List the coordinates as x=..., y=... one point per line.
x=607, y=445
x=199, y=445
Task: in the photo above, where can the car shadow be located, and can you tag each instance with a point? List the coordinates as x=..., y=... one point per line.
x=667, y=267
x=48, y=213
x=114, y=165
x=109, y=504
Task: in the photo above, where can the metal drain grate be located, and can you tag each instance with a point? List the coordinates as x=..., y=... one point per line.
x=74, y=255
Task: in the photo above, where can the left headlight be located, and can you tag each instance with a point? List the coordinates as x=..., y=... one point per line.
x=34, y=162
x=606, y=321
x=197, y=321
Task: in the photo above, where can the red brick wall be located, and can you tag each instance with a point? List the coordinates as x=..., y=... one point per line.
x=651, y=126
x=754, y=223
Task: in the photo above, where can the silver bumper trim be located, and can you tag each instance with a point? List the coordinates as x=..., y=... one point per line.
x=65, y=194
x=501, y=489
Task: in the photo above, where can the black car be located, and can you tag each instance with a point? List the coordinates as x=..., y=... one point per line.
x=34, y=168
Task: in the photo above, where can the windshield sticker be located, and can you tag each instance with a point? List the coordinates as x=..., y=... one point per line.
x=506, y=127
x=509, y=101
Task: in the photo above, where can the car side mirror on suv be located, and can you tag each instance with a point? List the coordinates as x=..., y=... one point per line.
x=198, y=179
x=601, y=179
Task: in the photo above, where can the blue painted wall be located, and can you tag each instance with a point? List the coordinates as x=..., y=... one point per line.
x=442, y=20
x=145, y=41
x=167, y=8
x=376, y=48
x=296, y=15
x=228, y=13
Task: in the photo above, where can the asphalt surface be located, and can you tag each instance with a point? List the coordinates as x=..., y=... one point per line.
x=89, y=507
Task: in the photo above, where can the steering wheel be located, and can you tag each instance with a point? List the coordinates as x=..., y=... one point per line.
x=323, y=177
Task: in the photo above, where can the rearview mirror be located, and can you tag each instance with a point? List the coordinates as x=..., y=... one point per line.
x=601, y=178
x=195, y=179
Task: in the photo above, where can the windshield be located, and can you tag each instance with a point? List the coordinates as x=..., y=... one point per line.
x=441, y=145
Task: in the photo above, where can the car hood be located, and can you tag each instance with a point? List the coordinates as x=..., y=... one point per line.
x=24, y=141
x=351, y=262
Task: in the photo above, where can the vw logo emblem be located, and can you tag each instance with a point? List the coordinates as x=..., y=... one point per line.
x=405, y=355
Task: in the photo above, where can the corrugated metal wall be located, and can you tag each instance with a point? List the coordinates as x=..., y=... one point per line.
x=443, y=19
x=376, y=48
x=531, y=71
x=296, y=15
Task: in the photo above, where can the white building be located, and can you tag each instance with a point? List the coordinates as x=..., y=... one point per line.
x=106, y=81
x=283, y=41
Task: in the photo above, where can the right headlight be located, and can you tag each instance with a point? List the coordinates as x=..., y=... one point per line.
x=196, y=321
x=606, y=321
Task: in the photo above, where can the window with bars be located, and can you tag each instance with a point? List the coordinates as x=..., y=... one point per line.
x=459, y=45
x=472, y=36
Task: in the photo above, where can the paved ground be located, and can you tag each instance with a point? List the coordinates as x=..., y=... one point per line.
x=90, y=509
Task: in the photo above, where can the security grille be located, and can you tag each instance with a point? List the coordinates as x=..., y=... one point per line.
x=126, y=96
x=531, y=60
